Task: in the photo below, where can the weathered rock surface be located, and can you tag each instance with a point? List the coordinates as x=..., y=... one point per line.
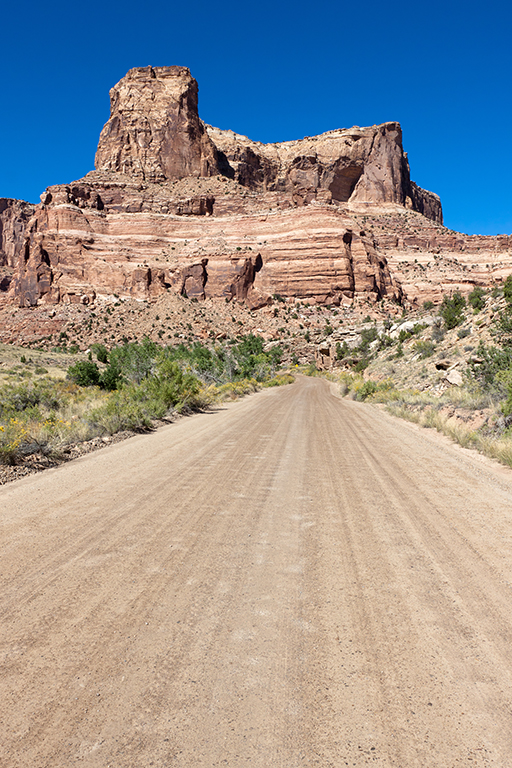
x=71, y=253
x=356, y=164
x=430, y=260
x=14, y=217
x=175, y=205
x=154, y=131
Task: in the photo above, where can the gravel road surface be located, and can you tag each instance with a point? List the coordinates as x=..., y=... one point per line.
x=292, y=580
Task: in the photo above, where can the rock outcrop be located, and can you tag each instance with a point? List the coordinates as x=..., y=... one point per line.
x=14, y=218
x=71, y=253
x=346, y=165
x=175, y=205
x=154, y=132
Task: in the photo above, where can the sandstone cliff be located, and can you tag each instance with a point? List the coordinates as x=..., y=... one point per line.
x=154, y=134
x=346, y=165
x=175, y=205
x=76, y=247
x=14, y=218
x=154, y=131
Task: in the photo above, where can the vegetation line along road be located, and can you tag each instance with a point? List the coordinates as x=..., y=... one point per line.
x=451, y=371
x=126, y=388
x=291, y=579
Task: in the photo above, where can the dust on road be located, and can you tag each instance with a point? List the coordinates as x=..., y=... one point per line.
x=292, y=580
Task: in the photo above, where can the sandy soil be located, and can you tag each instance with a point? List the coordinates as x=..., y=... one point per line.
x=292, y=580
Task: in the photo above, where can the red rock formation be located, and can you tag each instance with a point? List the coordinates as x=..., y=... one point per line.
x=355, y=164
x=154, y=131
x=176, y=205
x=14, y=217
x=71, y=253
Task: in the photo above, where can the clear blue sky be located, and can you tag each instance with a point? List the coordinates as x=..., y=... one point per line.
x=273, y=71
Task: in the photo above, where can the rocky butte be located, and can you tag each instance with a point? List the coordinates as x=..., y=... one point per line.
x=177, y=205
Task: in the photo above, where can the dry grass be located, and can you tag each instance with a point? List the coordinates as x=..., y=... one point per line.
x=425, y=409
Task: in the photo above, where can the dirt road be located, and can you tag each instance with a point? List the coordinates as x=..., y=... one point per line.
x=293, y=580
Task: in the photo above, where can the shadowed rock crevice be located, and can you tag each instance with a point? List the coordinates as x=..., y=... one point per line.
x=344, y=182
x=242, y=287
x=193, y=281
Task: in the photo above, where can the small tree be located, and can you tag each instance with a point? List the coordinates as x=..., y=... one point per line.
x=452, y=310
x=477, y=298
x=507, y=290
x=84, y=373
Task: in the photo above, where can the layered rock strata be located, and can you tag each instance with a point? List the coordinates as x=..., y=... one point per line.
x=175, y=205
x=71, y=253
x=346, y=165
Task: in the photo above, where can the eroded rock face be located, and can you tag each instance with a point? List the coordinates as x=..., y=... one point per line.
x=14, y=218
x=73, y=252
x=355, y=164
x=154, y=132
x=177, y=205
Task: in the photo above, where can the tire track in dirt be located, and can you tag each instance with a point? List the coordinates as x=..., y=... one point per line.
x=292, y=580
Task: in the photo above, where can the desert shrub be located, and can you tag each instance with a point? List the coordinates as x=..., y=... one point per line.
x=476, y=298
x=121, y=411
x=438, y=332
x=85, y=373
x=368, y=388
x=367, y=336
x=491, y=360
x=18, y=398
x=360, y=366
x=462, y=333
x=13, y=433
x=403, y=335
x=502, y=327
x=243, y=360
x=428, y=305
x=342, y=350
x=507, y=289
x=373, y=389
x=452, y=310
x=101, y=352
x=504, y=377
x=111, y=377
x=385, y=341
x=135, y=361
x=424, y=348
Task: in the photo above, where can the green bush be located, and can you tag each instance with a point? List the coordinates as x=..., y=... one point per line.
x=101, y=352
x=135, y=361
x=367, y=336
x=492, y=360
x=342, y=350
x=476, y=298
x=424, y=348
x=507, y=289
x=452, y=310
x=84, y=373
x=368, y=388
